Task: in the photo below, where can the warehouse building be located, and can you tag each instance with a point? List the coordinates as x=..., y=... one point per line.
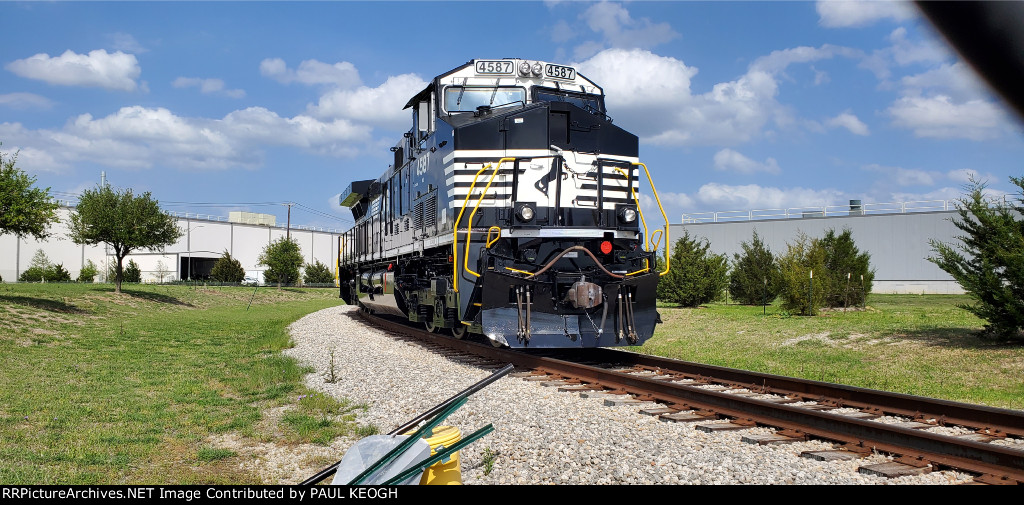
x=896, y=235
x=205, y=238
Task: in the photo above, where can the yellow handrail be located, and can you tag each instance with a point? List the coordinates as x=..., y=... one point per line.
x=455, y=232
x=469, y=227
x=657, y=244
x=629, y=182
x=489, y=241
x=657, y=199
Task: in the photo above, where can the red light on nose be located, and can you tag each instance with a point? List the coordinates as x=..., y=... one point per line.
x=606, y=247
x=390, y=266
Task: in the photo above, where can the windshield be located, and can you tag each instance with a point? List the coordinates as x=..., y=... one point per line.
x=584, y=101
x=463, y=99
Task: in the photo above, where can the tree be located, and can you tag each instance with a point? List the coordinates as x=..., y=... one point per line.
x=41, y=270
x=755, y=277
x=124, y=221
x=24, y=210
x=228, y=269
x=282, y=258
x=132, y=272
x=695, y=276
x=317, y=273
x=88, y=272
x=803, y=284
x=989, y=261
x=36, y=271
x=162, y=270
x=849, y=270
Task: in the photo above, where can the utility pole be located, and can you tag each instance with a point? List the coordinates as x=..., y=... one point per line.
x=288, y=230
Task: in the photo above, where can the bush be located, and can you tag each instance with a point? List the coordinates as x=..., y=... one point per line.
x=317, y=273
x=989, y=262
x=796, y=267
x=849, y=270
x=755, y=277
x=88, y=272
x=33, y=274
x=282, y=258
x=695, y=276
x=36, y=271
x=132, y=272
x=228, y=269
x=837, y=266
x=57, y=273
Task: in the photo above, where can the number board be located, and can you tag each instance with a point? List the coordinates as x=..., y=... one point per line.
x=559, y=72
x=501, y=67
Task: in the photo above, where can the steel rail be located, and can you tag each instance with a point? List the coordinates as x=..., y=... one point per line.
x=992, y=419
x=1004, y=463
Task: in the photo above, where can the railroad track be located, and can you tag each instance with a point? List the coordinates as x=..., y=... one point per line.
x=983, y=441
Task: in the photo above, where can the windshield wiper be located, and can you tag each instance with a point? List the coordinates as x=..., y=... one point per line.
x=495, y=92
x=461, y=91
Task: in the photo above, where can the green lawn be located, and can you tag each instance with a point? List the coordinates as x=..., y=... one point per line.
x=100, y=388
x=917, y=344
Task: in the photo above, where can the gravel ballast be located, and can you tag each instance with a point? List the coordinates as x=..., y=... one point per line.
x=543, y=436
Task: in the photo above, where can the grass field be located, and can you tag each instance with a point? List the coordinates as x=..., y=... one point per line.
x=916, y=344
x=110, y=389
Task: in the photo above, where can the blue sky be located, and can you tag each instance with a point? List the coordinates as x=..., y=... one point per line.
x=215, y=107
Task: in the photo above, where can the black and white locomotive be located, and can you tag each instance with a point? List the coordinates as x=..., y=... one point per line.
x=511, y=211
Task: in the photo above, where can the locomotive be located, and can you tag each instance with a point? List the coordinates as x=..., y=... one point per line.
x=511, y=211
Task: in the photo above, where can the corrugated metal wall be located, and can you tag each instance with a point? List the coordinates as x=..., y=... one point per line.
x=898, y=243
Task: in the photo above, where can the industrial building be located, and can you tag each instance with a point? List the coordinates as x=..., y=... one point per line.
x=896, y=235
x=244, y=235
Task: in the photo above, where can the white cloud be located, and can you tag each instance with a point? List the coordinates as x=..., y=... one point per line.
x=715, y=196
x=904, y=176
x=561, y=32
x=125, y=42
x=342, y=74
x=665, y=111
x=140, y=137
x=380, y=106
x=964, y=176
x=939, y=116
x=619, y=30
x=957, y=80
x=844, y=13
x=96, y=69
x=903, y=52
x=25, y=101
x=777, y=61
x=208, y=86
x=731, y=161
x=848, y=121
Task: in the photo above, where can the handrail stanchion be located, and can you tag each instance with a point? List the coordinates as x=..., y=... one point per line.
x=469, y=227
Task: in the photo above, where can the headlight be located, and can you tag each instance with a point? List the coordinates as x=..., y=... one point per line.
x=524, y=68
x=525, y=213
x=627, y=214
x=537, y=68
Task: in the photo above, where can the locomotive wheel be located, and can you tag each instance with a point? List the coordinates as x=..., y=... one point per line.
x=430, y=326
x=459, y=331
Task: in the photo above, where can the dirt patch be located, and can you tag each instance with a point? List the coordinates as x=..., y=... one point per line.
x=820, y=337
x=280, y=463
